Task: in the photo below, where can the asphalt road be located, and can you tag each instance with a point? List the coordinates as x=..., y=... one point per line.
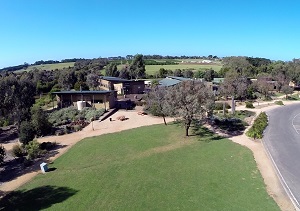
x=282, y=141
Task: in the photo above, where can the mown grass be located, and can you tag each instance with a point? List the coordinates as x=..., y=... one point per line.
x=153, y=69
x=149, y=168
x=49, y=66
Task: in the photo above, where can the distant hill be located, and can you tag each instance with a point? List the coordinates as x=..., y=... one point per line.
x=48, y=66
x=42, y=65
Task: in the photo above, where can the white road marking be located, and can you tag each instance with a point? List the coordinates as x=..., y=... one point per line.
x=281, y=179
x=295, y=125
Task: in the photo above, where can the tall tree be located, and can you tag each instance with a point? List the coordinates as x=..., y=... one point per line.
x=137, y=67
x=287, y=90
x=40, y=121
x=234, y=85
x=190, y=100
x=156, y=102
x=92, y=81
x=112, y=70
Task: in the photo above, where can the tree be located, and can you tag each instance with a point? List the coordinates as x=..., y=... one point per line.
x=238, y=64
x=190, y=100
x=137, y=67
x=112, y=70
x=27, y=132
x=124, y=73
x=234, y=85
x=188, y=74
x=79, y=85
x=177, y=73
x=264, y=86
x=66, y=79
x=92, y=80
x=162, y=72
x=40, y=121
x=287, y=90
x=156, y=102
x=209, y=75
x=2, y=154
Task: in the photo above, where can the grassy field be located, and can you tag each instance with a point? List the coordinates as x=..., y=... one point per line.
x=153, y=69
x=148, y=168
x=49, y=66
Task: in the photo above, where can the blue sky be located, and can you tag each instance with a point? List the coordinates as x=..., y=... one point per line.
x=34, y=30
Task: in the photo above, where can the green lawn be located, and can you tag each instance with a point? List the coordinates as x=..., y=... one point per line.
x=153, y=69
x=149, y=168
x=49, y=66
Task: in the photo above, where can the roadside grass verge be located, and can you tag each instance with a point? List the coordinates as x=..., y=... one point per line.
x=149, y=168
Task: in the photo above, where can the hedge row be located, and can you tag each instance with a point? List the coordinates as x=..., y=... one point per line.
x=258, y=127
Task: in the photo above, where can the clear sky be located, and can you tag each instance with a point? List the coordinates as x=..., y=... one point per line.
x=32, y=30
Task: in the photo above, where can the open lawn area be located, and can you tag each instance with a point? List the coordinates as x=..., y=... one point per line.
x=49, y=66
x=153, y=69
x=148, y=168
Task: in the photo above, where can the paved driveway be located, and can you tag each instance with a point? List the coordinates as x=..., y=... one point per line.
x=282, y=141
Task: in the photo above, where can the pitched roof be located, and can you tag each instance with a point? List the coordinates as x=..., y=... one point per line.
x=172, y=80
x=82, y=92
x=114, y=79
x=179, y=78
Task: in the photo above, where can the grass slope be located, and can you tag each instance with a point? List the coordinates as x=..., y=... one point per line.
x=149, y=168
x=49, y=66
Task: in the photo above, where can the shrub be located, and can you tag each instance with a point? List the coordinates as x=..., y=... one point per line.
x=33, y=150
x=48, y=145
x=27, y=132
x=219, y=106
x=39, y=121
x=258, y=127
x=2, y=154
x=63, y=116
x=279, y=102
x=17, y=151
x=249, y=105
x=67, y=115
x=77, y=128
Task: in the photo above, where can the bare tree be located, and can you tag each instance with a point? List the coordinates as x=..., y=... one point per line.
x=190, y=100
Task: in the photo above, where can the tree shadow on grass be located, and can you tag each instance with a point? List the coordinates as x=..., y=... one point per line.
x=205, y=134
x=36, y=199
x=228, y=126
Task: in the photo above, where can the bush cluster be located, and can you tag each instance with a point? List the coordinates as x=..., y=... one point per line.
x=2, y=154
x=258, y=127
x=278, y=102
x=249, y=105
x=219, y=106
x=67, y=115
